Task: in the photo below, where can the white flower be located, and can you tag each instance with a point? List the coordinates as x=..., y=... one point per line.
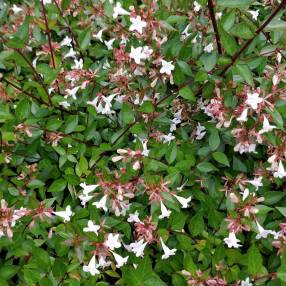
x=65, y=214
x=167, y=138
x=218, y=15
x=280, y=173
x=16, y=9
x=78, y=64
x=137, y=247
x=120, y=261
x=197, y=6
x=246, y=282
x=64, y=104
x=91, y=267
x=71, y=54
x=98, y=36
x=91, y=227
x=200, y=132
x=164, y=211
x=256, y=182
x=134, y=217
x=167, y=67
x=253, y=100
x=66, y=42
x=84, y=199
x=118, y=10
x=183, y=201
x=47, y=2
x=72, y=92
x=34, y=62
x=185, y=33
x=209, y=48
x=232, y=241
x=137, y=24
x=262, y=233
x=138, y=54
x=102, y=203
x=275, y=79
x=167, y=251
x=88, y=188
x=102, y=263
x=254, y=14
x=112, y=241
x=243, y=116
x=279, y=57
x=98, y=105
x=109, y=44
x=266, y=126
x=145, y=151
x=245, y=194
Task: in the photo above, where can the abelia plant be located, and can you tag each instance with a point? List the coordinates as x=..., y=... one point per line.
x=142, y=142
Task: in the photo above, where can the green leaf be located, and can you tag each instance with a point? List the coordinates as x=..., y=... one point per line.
x=8, y=271
x=23, y=109
x=282, y=210
x=71, y=123
x=228, y=41
x=276, y=26
x=58, y=186
x=254, y=260
x=196, y=225
x=187, y=93
x=281, y=273
x=127, y=114
x=147, y=107
x=206, y=167
x=82, y=165
x=245, y=73
x=242, y=30
x=84, y=38
x=23, y=31
x=214, y=140
x=221, y=158
x=241, y=4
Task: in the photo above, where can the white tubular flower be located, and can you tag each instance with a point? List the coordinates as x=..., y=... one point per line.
x=66, y=215
x=119, y=11
x=102, y=203
x=91, y=267
x=167, y=67
x=232, y=241
x=183, y=201
x=280, y=173
x=164, y=211
x=266, y=126
x=137, y=24
x=167, y=251
x=120, y=261
x=91, y=227
x=112, y=241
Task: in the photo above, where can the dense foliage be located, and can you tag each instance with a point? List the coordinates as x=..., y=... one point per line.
x=142, y=142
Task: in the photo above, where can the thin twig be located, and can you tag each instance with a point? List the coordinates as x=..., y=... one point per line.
x=212, y=15
x=246, y=45
x=49, y=34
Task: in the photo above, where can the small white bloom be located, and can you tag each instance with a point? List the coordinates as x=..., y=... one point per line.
x=167, y=138
x=167, y=67
x=167, y=251
x=197, y=6
x=120, y=261
x=102, y=203
x=65, y=214
x=47, y=2
x=137, y=247
x=102, y=263
x=136, y=166
x=246, y=282
x=280, y=173
x=16, y=9
x=200, y=132
x=64, y=104
x=243, y=116
x=275, y=79
x=78, y=64
x=254, y=14
x=245, y=194
x=218, y=15
x=137, y=24
x=67, y=41
x=278, y=57
x=209, y=48
x=185, y=33
x=145, y=151
x=34, y=62
x=109, y=44
x=134, y=217
x=72, y=92
x=84, y=199
x=91, y=227
x=262, y=233
x=253, y=100
x=137, y=54
x=106, y=109
x=232, y=241
x=183, y=201
x=266, y=126
x=118, y=10
x=256, y=182
x=70, y=54
x=164, y=211
x=91, y=267
x=112, y=241
x=88, y=188
x=98, y=36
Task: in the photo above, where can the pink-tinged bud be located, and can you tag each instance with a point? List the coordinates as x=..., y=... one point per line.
x=233, y=198
x=275, y=79
x=122, y=151
x=117, y=158
x=136, y=166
